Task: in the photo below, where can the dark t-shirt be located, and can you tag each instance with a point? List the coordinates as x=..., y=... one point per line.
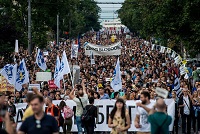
x=92, y=112
x=160, y=122
x=48, y=125
x=3, y=131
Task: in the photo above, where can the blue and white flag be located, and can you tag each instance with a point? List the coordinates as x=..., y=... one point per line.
x=177, y=86
x=9, y=72
x=40, y=60
x=92, y=58
x=22, y=76
x=116, y=83
x=57, y=69
x=64, y=66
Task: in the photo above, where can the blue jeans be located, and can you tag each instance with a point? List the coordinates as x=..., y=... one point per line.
x=78, y=123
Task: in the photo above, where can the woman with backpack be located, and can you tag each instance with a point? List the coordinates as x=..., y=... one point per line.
x=68, y=114
x=119, y=119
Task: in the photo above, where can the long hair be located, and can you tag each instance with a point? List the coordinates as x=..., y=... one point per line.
x=62, y=105
x=123, y=111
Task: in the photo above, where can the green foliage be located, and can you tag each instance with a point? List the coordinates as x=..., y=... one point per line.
x=174, y=20
x=75, y=17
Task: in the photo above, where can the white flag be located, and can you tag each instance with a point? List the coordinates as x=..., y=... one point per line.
x=162, y=49
x=64, y=66
x=40, y=60
x=16, y=46
x=9, y=72
x=56, y=72
x=116, y=83
x=186, y=76
x=22, y=76
x=173, y=54
x=92, y=58
x=178, y=60
x=152, y=47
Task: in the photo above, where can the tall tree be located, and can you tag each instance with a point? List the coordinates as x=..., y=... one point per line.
x=169, y=20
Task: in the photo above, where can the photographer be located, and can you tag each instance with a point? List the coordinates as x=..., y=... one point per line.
x=5, y=117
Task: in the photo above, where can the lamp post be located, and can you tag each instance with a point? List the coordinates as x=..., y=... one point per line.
x=29, y=28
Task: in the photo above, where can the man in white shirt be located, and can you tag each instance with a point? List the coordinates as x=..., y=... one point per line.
x=185, y=105
x=141, y=120
x=80, y=99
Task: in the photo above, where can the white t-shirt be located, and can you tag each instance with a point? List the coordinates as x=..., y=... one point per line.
x=79, y=109
x=145, y=125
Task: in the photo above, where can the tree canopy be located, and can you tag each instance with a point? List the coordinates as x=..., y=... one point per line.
x=176, y=21
x=75, y=17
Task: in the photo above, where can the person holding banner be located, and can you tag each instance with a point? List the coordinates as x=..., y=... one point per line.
x=143, y=109
x=119, y=119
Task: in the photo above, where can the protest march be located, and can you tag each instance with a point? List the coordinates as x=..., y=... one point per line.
x=88, y=81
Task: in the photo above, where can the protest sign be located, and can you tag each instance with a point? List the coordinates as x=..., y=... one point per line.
x=43, y=76
x=161, y=92
x=31, y=86
x=5, y=85
x=76, y=74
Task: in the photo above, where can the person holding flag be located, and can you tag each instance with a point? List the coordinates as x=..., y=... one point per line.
x=40, y=60
x=64, y=69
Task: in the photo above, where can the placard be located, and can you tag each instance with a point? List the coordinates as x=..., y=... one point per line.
x=43, y=76
x=162, y=92
x=31, y=86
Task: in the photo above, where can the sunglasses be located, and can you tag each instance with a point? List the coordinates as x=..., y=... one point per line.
x=38, y=124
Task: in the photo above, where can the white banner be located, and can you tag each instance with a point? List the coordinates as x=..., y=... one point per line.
x=104, y=107
x=114, y=49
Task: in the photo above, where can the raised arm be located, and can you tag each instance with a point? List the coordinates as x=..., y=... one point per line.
x=84, y=88
x=36, y=91
x=71, y=95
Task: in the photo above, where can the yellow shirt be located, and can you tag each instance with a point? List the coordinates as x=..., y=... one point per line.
x=27, y=113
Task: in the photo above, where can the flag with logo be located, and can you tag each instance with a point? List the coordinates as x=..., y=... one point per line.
x=92, y=58
x=56, y=72
x=64, y=66
x=9, y=72
x=177, y=86
x=40, y=60
x=116, y=83
x=22, y=76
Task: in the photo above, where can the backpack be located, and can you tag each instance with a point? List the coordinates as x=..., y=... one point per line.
x=68, y=112
x=85, y=115
x=159, y=129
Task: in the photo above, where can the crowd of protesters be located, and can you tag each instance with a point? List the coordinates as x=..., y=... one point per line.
x=142, y=70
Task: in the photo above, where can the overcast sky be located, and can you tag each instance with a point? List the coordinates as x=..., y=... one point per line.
x=109, y=9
